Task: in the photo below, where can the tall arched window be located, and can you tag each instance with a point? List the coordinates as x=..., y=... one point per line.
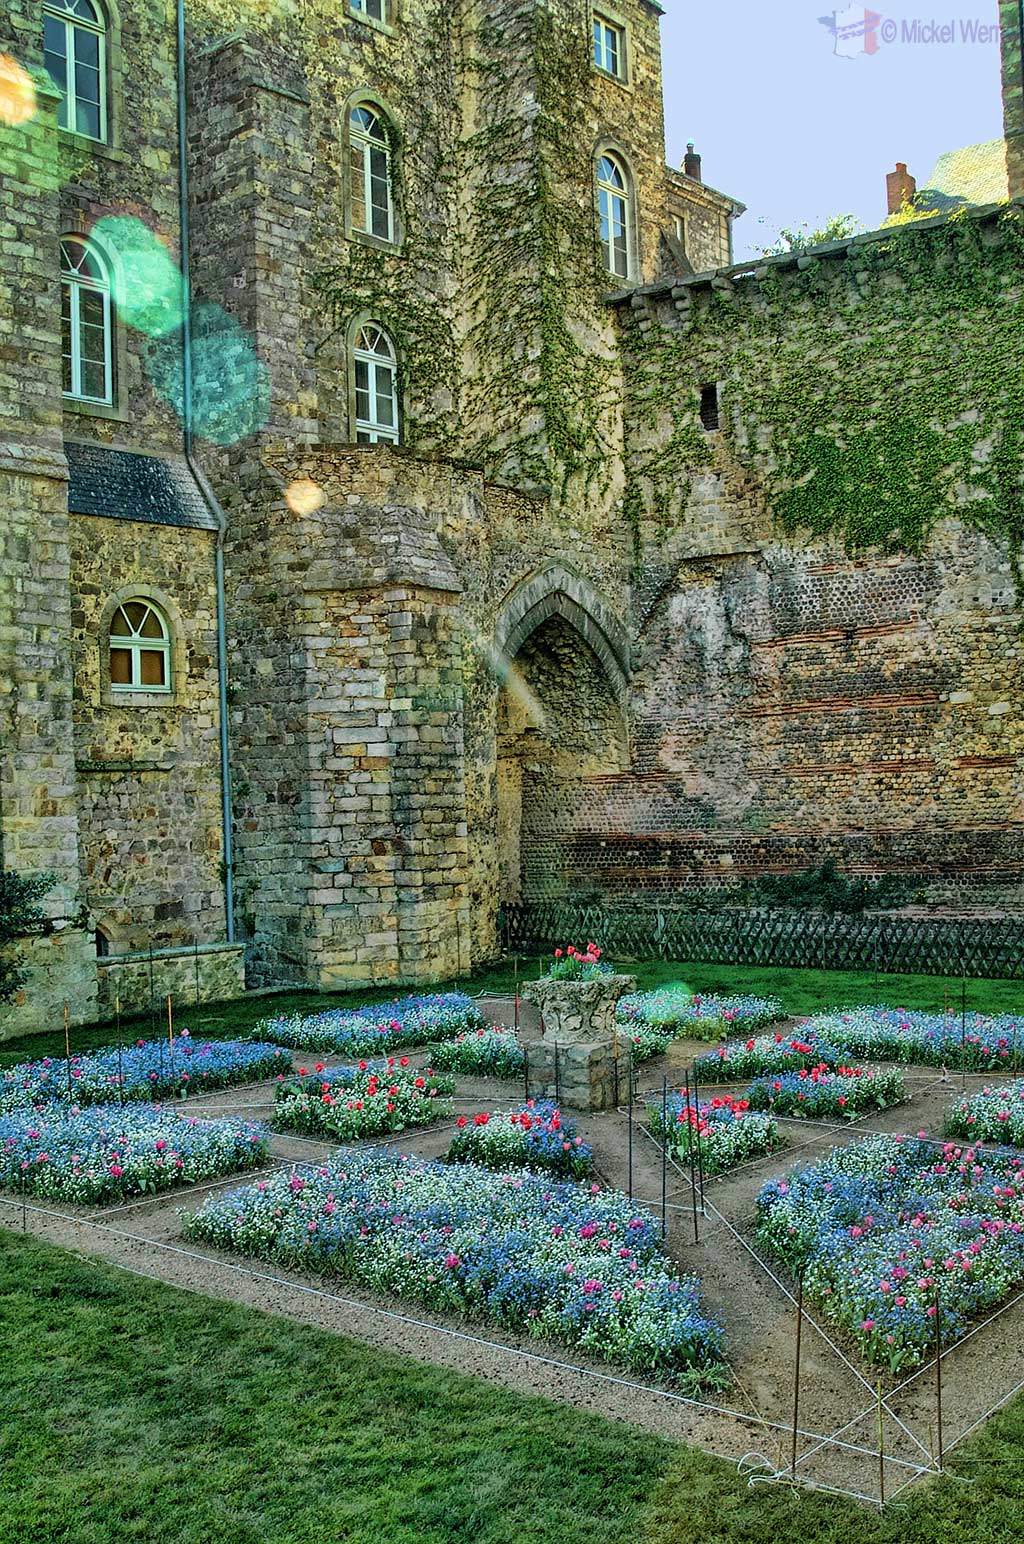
x=613, y=206
x=140, y=648
x=372, y=202
x=74, y=37
x=85, y=322
x=376, y=386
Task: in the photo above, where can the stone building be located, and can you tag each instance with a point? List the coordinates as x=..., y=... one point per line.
x=455, y=541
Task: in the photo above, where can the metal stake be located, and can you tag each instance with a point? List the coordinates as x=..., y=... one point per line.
x=120, y=1050
x=689, y=1145
x=195, y=956
x=67, y=1049
x=881, y=1449
x=796, y=1367
x=558, y=1096
x=664, y=1155
x=700, y=1150
x=630, y=1121
x=938, y=1381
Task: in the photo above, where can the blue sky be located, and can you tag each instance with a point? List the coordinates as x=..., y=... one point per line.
x=799, y=134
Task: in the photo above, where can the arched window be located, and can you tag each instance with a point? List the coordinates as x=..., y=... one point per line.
x=376, y=386
x=613, y=206
x=372, y=203
x=85, y=321
x=74, y=37
x=140, y=648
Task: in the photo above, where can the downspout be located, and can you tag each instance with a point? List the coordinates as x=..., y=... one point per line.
x=212, y=502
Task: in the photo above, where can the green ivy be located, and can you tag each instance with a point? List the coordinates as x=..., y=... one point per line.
x=870, y=395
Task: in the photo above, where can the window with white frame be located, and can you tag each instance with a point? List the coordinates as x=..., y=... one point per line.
x=376, y=386
x=74, y=52
x=373, y=10
x=613, y=207
x=609, y=47
x=372, y=203
x=140, y=648
x=85, y=322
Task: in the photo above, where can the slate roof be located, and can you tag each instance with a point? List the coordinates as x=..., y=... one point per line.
x=124, y=485
x=974, y=175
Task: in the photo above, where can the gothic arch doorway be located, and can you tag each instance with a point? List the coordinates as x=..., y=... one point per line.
x=561, y=721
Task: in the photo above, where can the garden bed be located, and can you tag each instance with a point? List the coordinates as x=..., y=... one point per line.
x=993, y=1114
x=892, y=1231
x=536, y=1136
x=538, y=1256
x=816, y=1093
x=108, y=1152
x=490, y=1053
x=724, y=1132
x=652, y=1020
x=352, y=1103
x=147, y=1069
x=377, y=1030
x=764, y=1054
x=972, y=1044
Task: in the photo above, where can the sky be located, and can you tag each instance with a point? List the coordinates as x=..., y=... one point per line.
x=798, y=133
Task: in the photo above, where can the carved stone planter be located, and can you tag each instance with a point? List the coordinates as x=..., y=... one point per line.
x=574, y=1062
x=578, y=1012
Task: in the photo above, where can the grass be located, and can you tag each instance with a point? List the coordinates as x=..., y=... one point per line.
x=137, y=1412
x=140, y=1413
x=801, y=991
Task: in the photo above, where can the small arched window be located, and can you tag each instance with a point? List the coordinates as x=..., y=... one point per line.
x=370, y=191
x=85, y=322
x=376, y=386
x=140, y=648
x=613, y=207
x=74, y=52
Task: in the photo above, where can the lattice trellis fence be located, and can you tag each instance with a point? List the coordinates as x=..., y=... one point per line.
x=825, y=941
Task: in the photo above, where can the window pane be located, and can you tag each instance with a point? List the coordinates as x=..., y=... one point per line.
x=363, y=438
x=134, y=611
x=94, y=380
x=375, y=8
x=385, y=395
x=87, y=118
x=151, y=627
x=152, y=664
x=87, y=49
x=120, y=667
x=358, y=173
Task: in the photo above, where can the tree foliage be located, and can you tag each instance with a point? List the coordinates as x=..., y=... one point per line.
x=19, y=915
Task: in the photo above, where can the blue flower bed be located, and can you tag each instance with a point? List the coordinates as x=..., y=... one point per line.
x=932, y=1039
x=107, y=1152
x=883, y=1226
x=536, y=1135
x=377, y=1030
x=144, y=1070
x=994, y=1114
x=536, y=1256
x=652, y=1020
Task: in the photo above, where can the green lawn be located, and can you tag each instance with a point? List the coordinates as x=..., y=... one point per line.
x=138, y=1413
x=801, y=991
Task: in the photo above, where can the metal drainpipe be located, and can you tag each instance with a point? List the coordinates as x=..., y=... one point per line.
x=213, y=503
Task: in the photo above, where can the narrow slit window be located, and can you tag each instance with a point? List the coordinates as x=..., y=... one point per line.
x=709, y=407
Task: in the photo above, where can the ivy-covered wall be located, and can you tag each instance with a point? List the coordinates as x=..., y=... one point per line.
x=827, y=587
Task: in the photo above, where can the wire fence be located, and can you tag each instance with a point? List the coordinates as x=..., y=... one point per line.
x=890, y=944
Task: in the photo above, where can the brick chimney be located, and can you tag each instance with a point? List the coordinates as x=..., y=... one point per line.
x=691, y=163
x=900, y=187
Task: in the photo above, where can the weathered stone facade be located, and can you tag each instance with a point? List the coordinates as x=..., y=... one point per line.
x=577, y=632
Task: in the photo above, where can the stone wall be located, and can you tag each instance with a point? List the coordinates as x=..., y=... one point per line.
x=148, y=768
x=132, y=983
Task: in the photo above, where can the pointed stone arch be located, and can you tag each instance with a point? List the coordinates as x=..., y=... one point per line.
x=557, y=592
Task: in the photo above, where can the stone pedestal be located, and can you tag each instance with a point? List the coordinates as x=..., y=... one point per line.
x=575, y=1062
x=581, y=1075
